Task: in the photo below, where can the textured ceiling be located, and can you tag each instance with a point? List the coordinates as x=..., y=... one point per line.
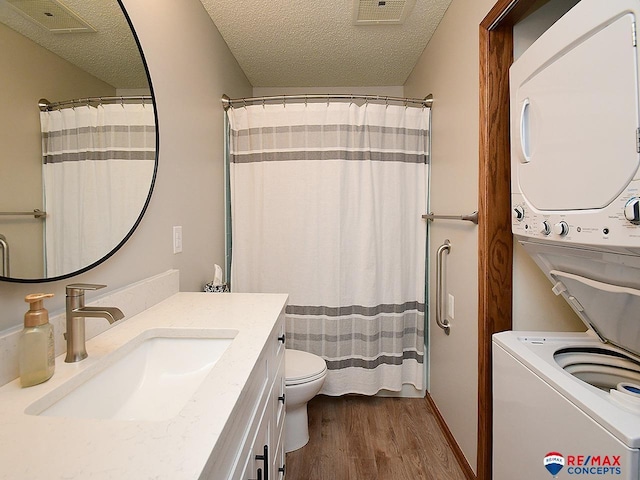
x=110, y=53
x=278, y=43
x=311, y=43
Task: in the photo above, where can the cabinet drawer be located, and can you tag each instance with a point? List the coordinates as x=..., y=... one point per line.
x=281, y=337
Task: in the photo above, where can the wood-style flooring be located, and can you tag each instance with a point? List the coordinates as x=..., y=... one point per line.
x=373, y=438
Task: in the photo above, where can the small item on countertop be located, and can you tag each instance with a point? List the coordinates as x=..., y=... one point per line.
x=217, y=286
x=36, y=347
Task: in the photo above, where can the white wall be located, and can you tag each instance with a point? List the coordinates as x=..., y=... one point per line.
x=191, y=67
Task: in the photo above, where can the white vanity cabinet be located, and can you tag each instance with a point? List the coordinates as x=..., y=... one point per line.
x=229, y=428
x=251, y=446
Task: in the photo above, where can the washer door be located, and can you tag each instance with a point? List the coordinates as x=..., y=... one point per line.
x=611, y=310
x=574, y=115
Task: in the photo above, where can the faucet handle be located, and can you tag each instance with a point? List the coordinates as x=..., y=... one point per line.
x=76, y=289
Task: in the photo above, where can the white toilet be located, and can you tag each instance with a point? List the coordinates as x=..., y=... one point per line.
x=305, y=374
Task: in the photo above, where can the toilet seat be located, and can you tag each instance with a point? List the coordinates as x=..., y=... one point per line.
x=303, y=367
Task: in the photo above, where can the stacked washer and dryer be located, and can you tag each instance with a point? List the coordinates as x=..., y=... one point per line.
x=567, y=405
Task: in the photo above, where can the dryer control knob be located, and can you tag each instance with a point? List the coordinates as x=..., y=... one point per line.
x=632, y=210
x=518, y=213
x=545, y=228
x=561, y=228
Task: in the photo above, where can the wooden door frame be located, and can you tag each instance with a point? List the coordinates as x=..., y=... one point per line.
x=495, y=241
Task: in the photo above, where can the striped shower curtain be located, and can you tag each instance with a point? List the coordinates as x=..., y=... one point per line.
x=326, y=205
x=97, y=172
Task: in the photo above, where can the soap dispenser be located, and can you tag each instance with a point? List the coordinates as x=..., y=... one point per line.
x=36, y=347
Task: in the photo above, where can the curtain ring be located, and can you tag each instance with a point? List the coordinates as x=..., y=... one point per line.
x=351, y=102
x=263, y=102
x=122, y=102
x=244, y=103
x=386, y=102
x=284, y=101
x=305, y=100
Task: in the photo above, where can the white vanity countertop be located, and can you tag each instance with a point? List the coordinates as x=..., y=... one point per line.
x=41, y=447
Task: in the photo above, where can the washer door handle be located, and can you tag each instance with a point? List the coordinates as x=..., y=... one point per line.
x=525, y=137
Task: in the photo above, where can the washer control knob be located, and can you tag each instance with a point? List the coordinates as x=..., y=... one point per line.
x=518, y=213
x=545, y=228
x=561, y=228
x=632, y=210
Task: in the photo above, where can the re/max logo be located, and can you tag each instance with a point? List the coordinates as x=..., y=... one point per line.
x=593, y=460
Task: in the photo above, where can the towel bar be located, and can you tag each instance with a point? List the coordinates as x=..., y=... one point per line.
x=472, y=217
x=36, y=213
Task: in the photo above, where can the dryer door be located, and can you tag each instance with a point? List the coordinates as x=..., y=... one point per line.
x=574, y=111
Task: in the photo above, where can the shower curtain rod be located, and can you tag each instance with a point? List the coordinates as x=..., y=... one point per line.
x=237, y=102
x=45, y=105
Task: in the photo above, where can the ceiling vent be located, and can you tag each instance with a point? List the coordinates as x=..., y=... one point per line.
x=381, y=12
x=52, y=15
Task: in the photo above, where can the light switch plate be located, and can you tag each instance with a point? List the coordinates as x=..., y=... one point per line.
x=177, y=239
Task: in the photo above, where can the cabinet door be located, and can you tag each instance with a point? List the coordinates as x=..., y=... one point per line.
x=252, y=418
x=257, y=457
x=278, y=415
x=279, y=467
x=261, y=452
x=262, y=456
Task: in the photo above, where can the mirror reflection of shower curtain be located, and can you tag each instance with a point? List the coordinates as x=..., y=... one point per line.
x=98, y=162
x=326, y=205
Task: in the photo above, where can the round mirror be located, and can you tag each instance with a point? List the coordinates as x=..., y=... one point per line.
x=78, y=170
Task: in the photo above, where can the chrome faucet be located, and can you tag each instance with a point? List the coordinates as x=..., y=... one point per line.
x=76, y=313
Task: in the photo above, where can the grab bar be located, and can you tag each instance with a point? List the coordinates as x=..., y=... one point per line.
x=472, y=217
x=443, y=323
x=36, y=213
x=5, y=255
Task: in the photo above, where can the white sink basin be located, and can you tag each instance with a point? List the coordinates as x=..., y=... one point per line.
x=150, y=378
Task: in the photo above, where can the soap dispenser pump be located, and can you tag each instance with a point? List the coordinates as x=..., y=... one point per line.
x=36, y=346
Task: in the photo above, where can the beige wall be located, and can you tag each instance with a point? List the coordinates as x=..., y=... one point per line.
x=531, y=289
x=27, y=77
x=449, y=70
x=191, y=67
